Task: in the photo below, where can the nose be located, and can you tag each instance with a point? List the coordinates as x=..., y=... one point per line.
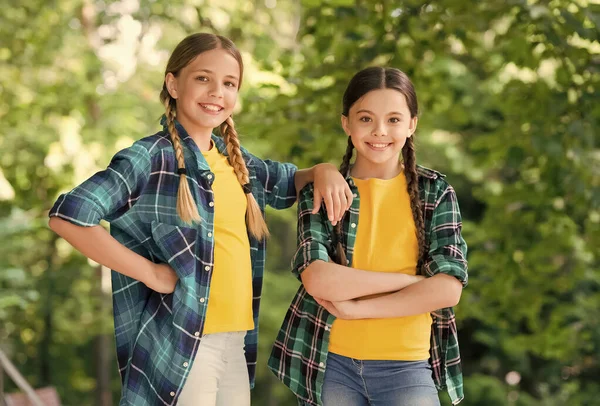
x=215, y=90
x=379, y=129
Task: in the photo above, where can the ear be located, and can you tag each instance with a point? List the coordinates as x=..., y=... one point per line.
x=412, y=126
x=171, y=83
x=345, y=125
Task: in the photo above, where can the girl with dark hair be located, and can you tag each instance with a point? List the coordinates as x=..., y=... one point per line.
x=187, y=236
x=372, y=322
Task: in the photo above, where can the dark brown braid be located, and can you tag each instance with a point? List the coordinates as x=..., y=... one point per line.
x=412, y=183
x=339, y=252
x=347, y=157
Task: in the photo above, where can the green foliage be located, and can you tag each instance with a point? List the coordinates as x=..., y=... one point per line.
x=509, y=107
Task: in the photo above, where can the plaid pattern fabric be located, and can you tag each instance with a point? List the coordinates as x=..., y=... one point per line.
x=299, y=354
x=157, y=335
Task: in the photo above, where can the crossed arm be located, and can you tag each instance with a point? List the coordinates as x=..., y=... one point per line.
x=333, y=282
x=341, y=289
x=425, y=296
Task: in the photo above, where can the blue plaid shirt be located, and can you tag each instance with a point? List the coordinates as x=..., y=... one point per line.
x=157, y=335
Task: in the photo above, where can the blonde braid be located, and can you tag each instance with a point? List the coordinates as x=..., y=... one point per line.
x=186, y=206
x=254, y=218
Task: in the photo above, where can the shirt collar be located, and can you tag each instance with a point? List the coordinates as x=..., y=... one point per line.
x=219, y=143
x=185, y=137
x=421, y=171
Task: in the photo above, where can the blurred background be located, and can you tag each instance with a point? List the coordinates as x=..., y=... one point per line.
x=510, y=110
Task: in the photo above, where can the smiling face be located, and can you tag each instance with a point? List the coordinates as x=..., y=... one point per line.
x=379, y=124
x=205, y=90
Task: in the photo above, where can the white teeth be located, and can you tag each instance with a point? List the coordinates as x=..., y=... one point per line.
x=379, y=145
x=211, y=107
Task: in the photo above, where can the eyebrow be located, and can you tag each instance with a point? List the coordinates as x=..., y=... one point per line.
x=370, y=112
x=209, y=71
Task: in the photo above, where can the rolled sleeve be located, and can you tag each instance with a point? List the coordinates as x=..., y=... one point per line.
x=108, y=193
x=306, y=254
x=313, y=234
x=447, y=249
x=77, y=209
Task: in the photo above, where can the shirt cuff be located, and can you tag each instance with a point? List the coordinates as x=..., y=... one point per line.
x=306, y=254
x=449, y=266
x=77, y=210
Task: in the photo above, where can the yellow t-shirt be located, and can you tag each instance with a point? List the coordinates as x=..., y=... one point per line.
x=386, y=241
x=230, y=298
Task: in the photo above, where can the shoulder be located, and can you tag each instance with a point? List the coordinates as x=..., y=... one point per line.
x=149, y=151
x=434, y=186
x=155, y=143
x=249, y=158
x=142, y=155
x=269, y=170
x=430, y=178
x=428, y=173
x=253, y=160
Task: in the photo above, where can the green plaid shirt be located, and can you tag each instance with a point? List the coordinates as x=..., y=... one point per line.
x=299, y=355
x=157, y=335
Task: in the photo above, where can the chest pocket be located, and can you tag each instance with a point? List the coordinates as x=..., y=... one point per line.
x=177, y=246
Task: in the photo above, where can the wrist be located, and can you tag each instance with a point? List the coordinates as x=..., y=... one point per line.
x=318, y=169
x=403, y=280
x=312, y=174
x=149, y=273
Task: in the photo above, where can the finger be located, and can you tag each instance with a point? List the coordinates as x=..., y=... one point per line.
x=320, y=302
x=327, y=306
x=337, y=205
x=331, y=308
x=317, y=201
x=324, y=303
x=329, y=207
x=343, y=205
x=349, y=197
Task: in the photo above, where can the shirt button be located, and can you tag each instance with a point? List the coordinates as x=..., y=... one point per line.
x=185, y=364
x=172, y=393
x=197, y=334
x=210, y=234
x=211, y=204
x=326, y=328
x=321, y=364
x=209, y=176
x=207, y=268
x=353, y=225
x=201, y=300
x=355, y=194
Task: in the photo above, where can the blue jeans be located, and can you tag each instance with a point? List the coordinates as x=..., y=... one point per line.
x=351, y=382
